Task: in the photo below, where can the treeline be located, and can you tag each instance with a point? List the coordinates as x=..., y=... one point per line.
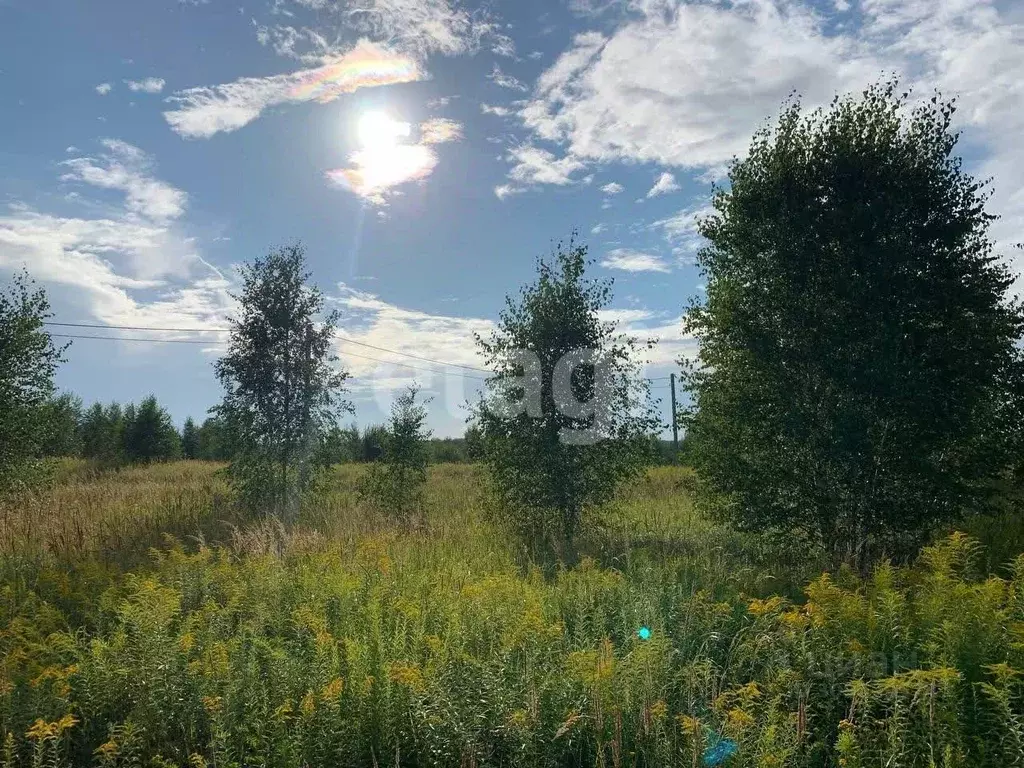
x=113, y=434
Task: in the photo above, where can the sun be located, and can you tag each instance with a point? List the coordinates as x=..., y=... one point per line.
x=379, y=131
x=385, y=159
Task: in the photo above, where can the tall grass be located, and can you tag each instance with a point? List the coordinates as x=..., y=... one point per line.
x=344, y=643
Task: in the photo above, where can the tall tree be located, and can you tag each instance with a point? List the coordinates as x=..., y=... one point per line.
x=190, y=439
x=396, y=482
x=149, y=434
x=567, y=416
x=28, y=362
x=63, y=417
x=282, y=390
x=861, y=374
x=102, y=434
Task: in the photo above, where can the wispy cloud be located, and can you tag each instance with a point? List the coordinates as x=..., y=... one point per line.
x=148, y=85
x=499, y=78
x=104, y=88
x=666, y=183
x=205, y=111
x=128, y=265
x=614, y=188
x=128, y=169
x=629, y=260
x=440, y=130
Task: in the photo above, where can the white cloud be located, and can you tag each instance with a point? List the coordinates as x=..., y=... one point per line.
x=127, y=168
x=614, y=188
x=128, y=265
x=533, y=165
x=148, y=85
x=629, y=260
x=685, y=85
x=417, y=27
x=506, y=81
x=497, y=111
x=205, y=111
x=507, y=190
x=666, y=183
x=370, y=320
x=680, y=231
x=440, y=130
x=104, y=88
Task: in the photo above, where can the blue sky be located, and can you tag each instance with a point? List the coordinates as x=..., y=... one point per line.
x=425, y=152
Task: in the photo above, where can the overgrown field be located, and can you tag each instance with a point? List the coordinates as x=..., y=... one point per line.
x=142, y=624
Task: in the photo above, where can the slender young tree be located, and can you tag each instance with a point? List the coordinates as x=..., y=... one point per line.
x=567, y=416
x=395, y=483
x=860, y=372
x=28, y=362
x=282, y=390
x=190, y=439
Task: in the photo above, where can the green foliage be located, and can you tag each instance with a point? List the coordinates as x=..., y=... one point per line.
x=28, y=361
x=395, y=484
x=103, y=434
x=190, y=439
x=443, y=652
x=281, y=389
x=63, y=417
x=148, y=433
x=216, y=442
x=861, y=374
x=551, y=460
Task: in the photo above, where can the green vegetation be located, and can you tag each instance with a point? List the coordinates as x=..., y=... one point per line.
x=328, y=598
x=282, y=390
x=862, y=377
x=567, y=416
x=344, y=641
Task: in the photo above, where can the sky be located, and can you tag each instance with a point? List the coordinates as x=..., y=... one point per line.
x=425, y=153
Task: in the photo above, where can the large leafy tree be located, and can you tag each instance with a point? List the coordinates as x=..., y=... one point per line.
x=282, y=391
x=860, y=373
x=28, y=362
x=567, y=415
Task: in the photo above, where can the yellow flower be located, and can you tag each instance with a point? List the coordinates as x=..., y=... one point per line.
x=308, y=704
x=332, y=691
x=108, y=750
x=40, y=730
x=212, y=704
x=689, y=724
x=738, y=720
x=407, y=674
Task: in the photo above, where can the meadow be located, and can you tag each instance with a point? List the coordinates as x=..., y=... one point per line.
x=144, y=623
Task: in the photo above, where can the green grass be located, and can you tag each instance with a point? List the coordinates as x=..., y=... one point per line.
x=345, y=643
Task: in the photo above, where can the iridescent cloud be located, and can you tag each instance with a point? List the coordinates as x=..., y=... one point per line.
x=205, y=111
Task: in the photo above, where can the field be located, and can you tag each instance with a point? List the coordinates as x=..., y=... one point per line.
x=142, y=623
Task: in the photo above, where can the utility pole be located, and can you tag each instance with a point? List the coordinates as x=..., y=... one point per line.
x=675, y=423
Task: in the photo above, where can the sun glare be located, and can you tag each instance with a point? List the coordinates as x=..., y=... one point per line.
x=385, y=159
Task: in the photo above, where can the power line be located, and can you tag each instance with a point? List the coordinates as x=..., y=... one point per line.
x=228, y=330
x=202, y=341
